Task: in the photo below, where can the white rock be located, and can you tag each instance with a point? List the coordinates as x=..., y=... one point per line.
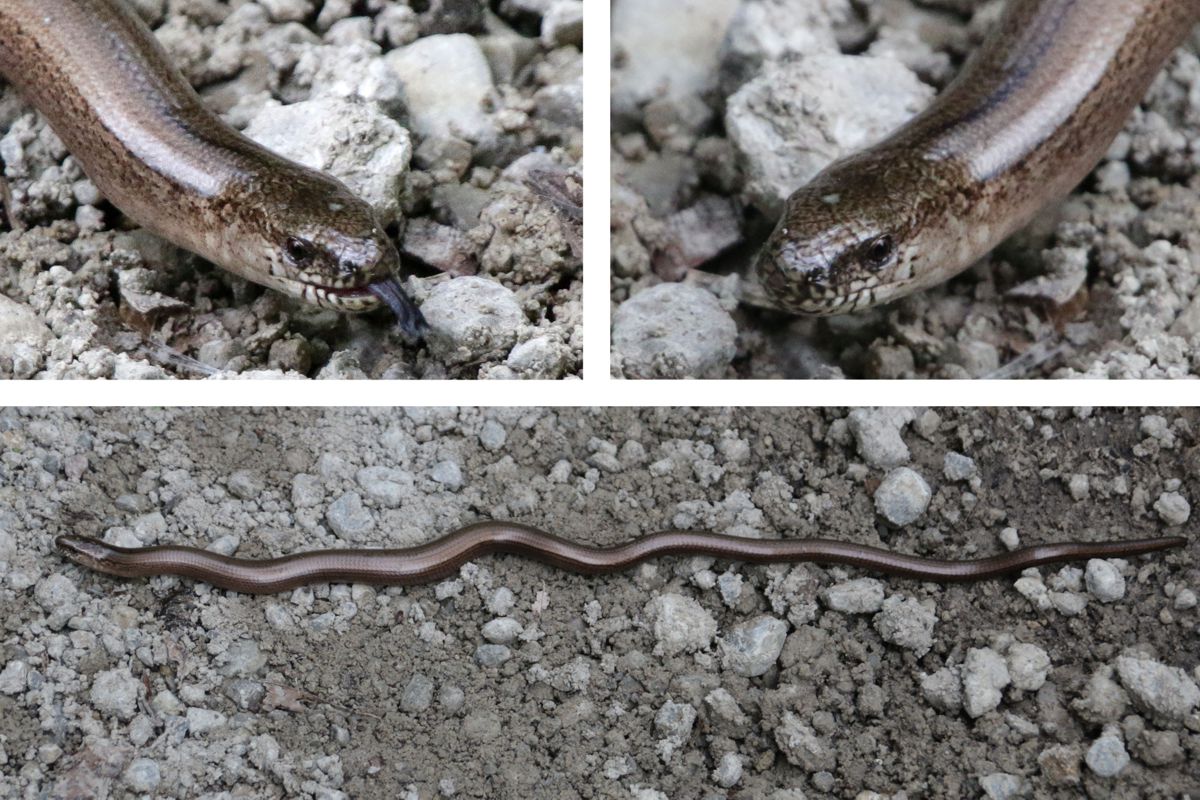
x=728, y=771
x=753, y=647
x=142, y=775
x=447, y=83
x=353, y=141
x=985, y=674
x=1001, y=785
x=472, y=318
x=802, y=746
x=1104, y=581
x=115, y=693
x=562, y=24
x=878, y=434
x=203, y=720
x=902, y=496
x=1163, y=690
x=666, y=48
x=675, y=721
x=1173, y=508
x=14, y=677
x=1107, y=756
x=503, y=630
x=1028, y=665
x=906, y=623
x=777, y=30
x=349, y=519
x=957, y=467
x=943, y=689
x=681, y=625
x=674, y=330
x=23, y=340
x=859, y=596
x=797, y=117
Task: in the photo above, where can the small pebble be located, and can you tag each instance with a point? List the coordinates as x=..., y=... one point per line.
x=1104, y=581
x=142, y=775
x=1173, y=508
x=985, y=674
x=903, y=496
x=492, y=655
x=752, y=648
x=957, y=467
x=1107, y=756
x=859, y=596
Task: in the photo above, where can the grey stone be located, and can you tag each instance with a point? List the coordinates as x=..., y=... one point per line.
x=351, y=140
x=802, y=746
x=1173, y=508
x=492, y=655
x=202, y=721
x=503, y=630
x=673, y=330
x=795, y=118
x=665, y=48
x=859, y=596
x=472, y=318
x=943, y=689
x=878, y=434
x=985, y=675
x=903, y=496
x=115, y=692
x=246, y=694
x=957, y=467
x=448, y=474
x=1107, y=756
x=349, y=519
x=418, y=694
x=681, y=625
x=728, y=771
x=1028, y=666
x=905, y=622
x=1104, y=581
x=1002, y=786
x=752, y=648
x=1163, y=690
x=447, y=84
x=245, y=485
x=142, y=775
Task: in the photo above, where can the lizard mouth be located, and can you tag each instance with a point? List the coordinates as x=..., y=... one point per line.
x=409, y=318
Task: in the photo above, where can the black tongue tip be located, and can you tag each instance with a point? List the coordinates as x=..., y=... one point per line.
x=409, y=318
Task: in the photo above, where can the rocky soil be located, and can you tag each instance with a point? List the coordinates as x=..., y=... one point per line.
x=687, y=677
x=460, y=120
x=722, y=108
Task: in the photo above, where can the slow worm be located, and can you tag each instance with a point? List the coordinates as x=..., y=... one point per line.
x=1027, y=118
x=442, y=557
x=141, y=133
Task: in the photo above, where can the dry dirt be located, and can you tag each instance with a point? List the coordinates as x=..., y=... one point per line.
x=182, y=690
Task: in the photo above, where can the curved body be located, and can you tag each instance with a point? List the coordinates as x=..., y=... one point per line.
x=1027, y=118
x=442, y=557
x=142, y=135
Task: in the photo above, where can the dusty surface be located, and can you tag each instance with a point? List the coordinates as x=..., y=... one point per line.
x=690, y=172
x=482, y=100
x=685, y=678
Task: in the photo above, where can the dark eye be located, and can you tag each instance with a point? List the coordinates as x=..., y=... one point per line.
x=300, y=251
x=879, y=251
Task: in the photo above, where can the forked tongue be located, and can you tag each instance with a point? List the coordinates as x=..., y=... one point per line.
x=409, y=318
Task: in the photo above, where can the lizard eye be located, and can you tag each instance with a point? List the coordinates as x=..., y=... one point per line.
x=300, y=251
x=878, y=251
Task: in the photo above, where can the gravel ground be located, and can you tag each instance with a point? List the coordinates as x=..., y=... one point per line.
x=739, y=102
x=460, y=120
x=684, y=678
